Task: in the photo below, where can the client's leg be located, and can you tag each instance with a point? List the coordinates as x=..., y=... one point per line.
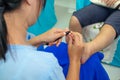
x=109, y=31
x=86, y=16
x=75, y=25
x=89, y=15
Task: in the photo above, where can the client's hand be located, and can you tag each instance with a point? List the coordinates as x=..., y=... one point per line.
x=109, y=2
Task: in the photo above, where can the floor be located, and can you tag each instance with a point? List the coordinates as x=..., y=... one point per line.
x=63, y=15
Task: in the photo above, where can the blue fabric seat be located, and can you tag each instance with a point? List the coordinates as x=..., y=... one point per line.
x=91, y=70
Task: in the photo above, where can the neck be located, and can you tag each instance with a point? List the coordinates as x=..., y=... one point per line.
x=16, y=28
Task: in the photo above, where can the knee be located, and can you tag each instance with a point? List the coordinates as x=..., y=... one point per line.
x=74, y=24
x=74, y=20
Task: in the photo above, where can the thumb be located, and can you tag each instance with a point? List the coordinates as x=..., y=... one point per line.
x=60, y=34
x=69, y=41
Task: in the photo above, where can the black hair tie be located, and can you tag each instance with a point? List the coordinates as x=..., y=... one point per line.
x=1, y=3
x=2, y=9
x=2, y=6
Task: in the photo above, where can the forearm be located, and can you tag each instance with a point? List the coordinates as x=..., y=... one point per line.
x=74, y=71
x=36, y=41
x=103, y=39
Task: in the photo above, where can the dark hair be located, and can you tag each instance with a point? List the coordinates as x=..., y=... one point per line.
x=7, y=5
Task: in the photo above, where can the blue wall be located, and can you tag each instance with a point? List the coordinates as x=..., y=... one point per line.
x=46, y=20
x=81, y=3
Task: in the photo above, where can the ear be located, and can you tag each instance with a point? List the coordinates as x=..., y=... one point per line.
x=28, y=2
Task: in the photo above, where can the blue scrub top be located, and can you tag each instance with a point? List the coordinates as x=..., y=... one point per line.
x=26, y=63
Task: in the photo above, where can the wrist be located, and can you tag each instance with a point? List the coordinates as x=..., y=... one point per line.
x=40, y=40
x=36, y=41
x=75, y=62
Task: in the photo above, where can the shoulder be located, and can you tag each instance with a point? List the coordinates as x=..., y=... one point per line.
x=36, y=57
x=43, y=65
x=29, y=55
x=30, y=52
x=28, y=63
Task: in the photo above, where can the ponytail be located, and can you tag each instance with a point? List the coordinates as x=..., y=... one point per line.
x=3, y=33
x=5, y=5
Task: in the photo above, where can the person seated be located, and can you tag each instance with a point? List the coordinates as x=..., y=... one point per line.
x=92, y=14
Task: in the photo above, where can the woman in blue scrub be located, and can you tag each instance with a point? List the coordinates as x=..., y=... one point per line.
x=19, y=60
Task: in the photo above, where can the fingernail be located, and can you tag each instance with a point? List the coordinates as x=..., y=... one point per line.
x=64, y=33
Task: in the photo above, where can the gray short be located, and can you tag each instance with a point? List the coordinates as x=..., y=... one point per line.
x=94, y=13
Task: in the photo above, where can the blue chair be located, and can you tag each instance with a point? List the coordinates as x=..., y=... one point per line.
x=46, y=20
x=81, y=4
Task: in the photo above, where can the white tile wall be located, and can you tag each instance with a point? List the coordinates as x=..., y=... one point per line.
x=66, y=3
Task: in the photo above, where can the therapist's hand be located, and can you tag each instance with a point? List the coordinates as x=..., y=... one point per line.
x=78, y=46
x=49, y=37
x=75, y=51
x=53, y=36
x=75, y=46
